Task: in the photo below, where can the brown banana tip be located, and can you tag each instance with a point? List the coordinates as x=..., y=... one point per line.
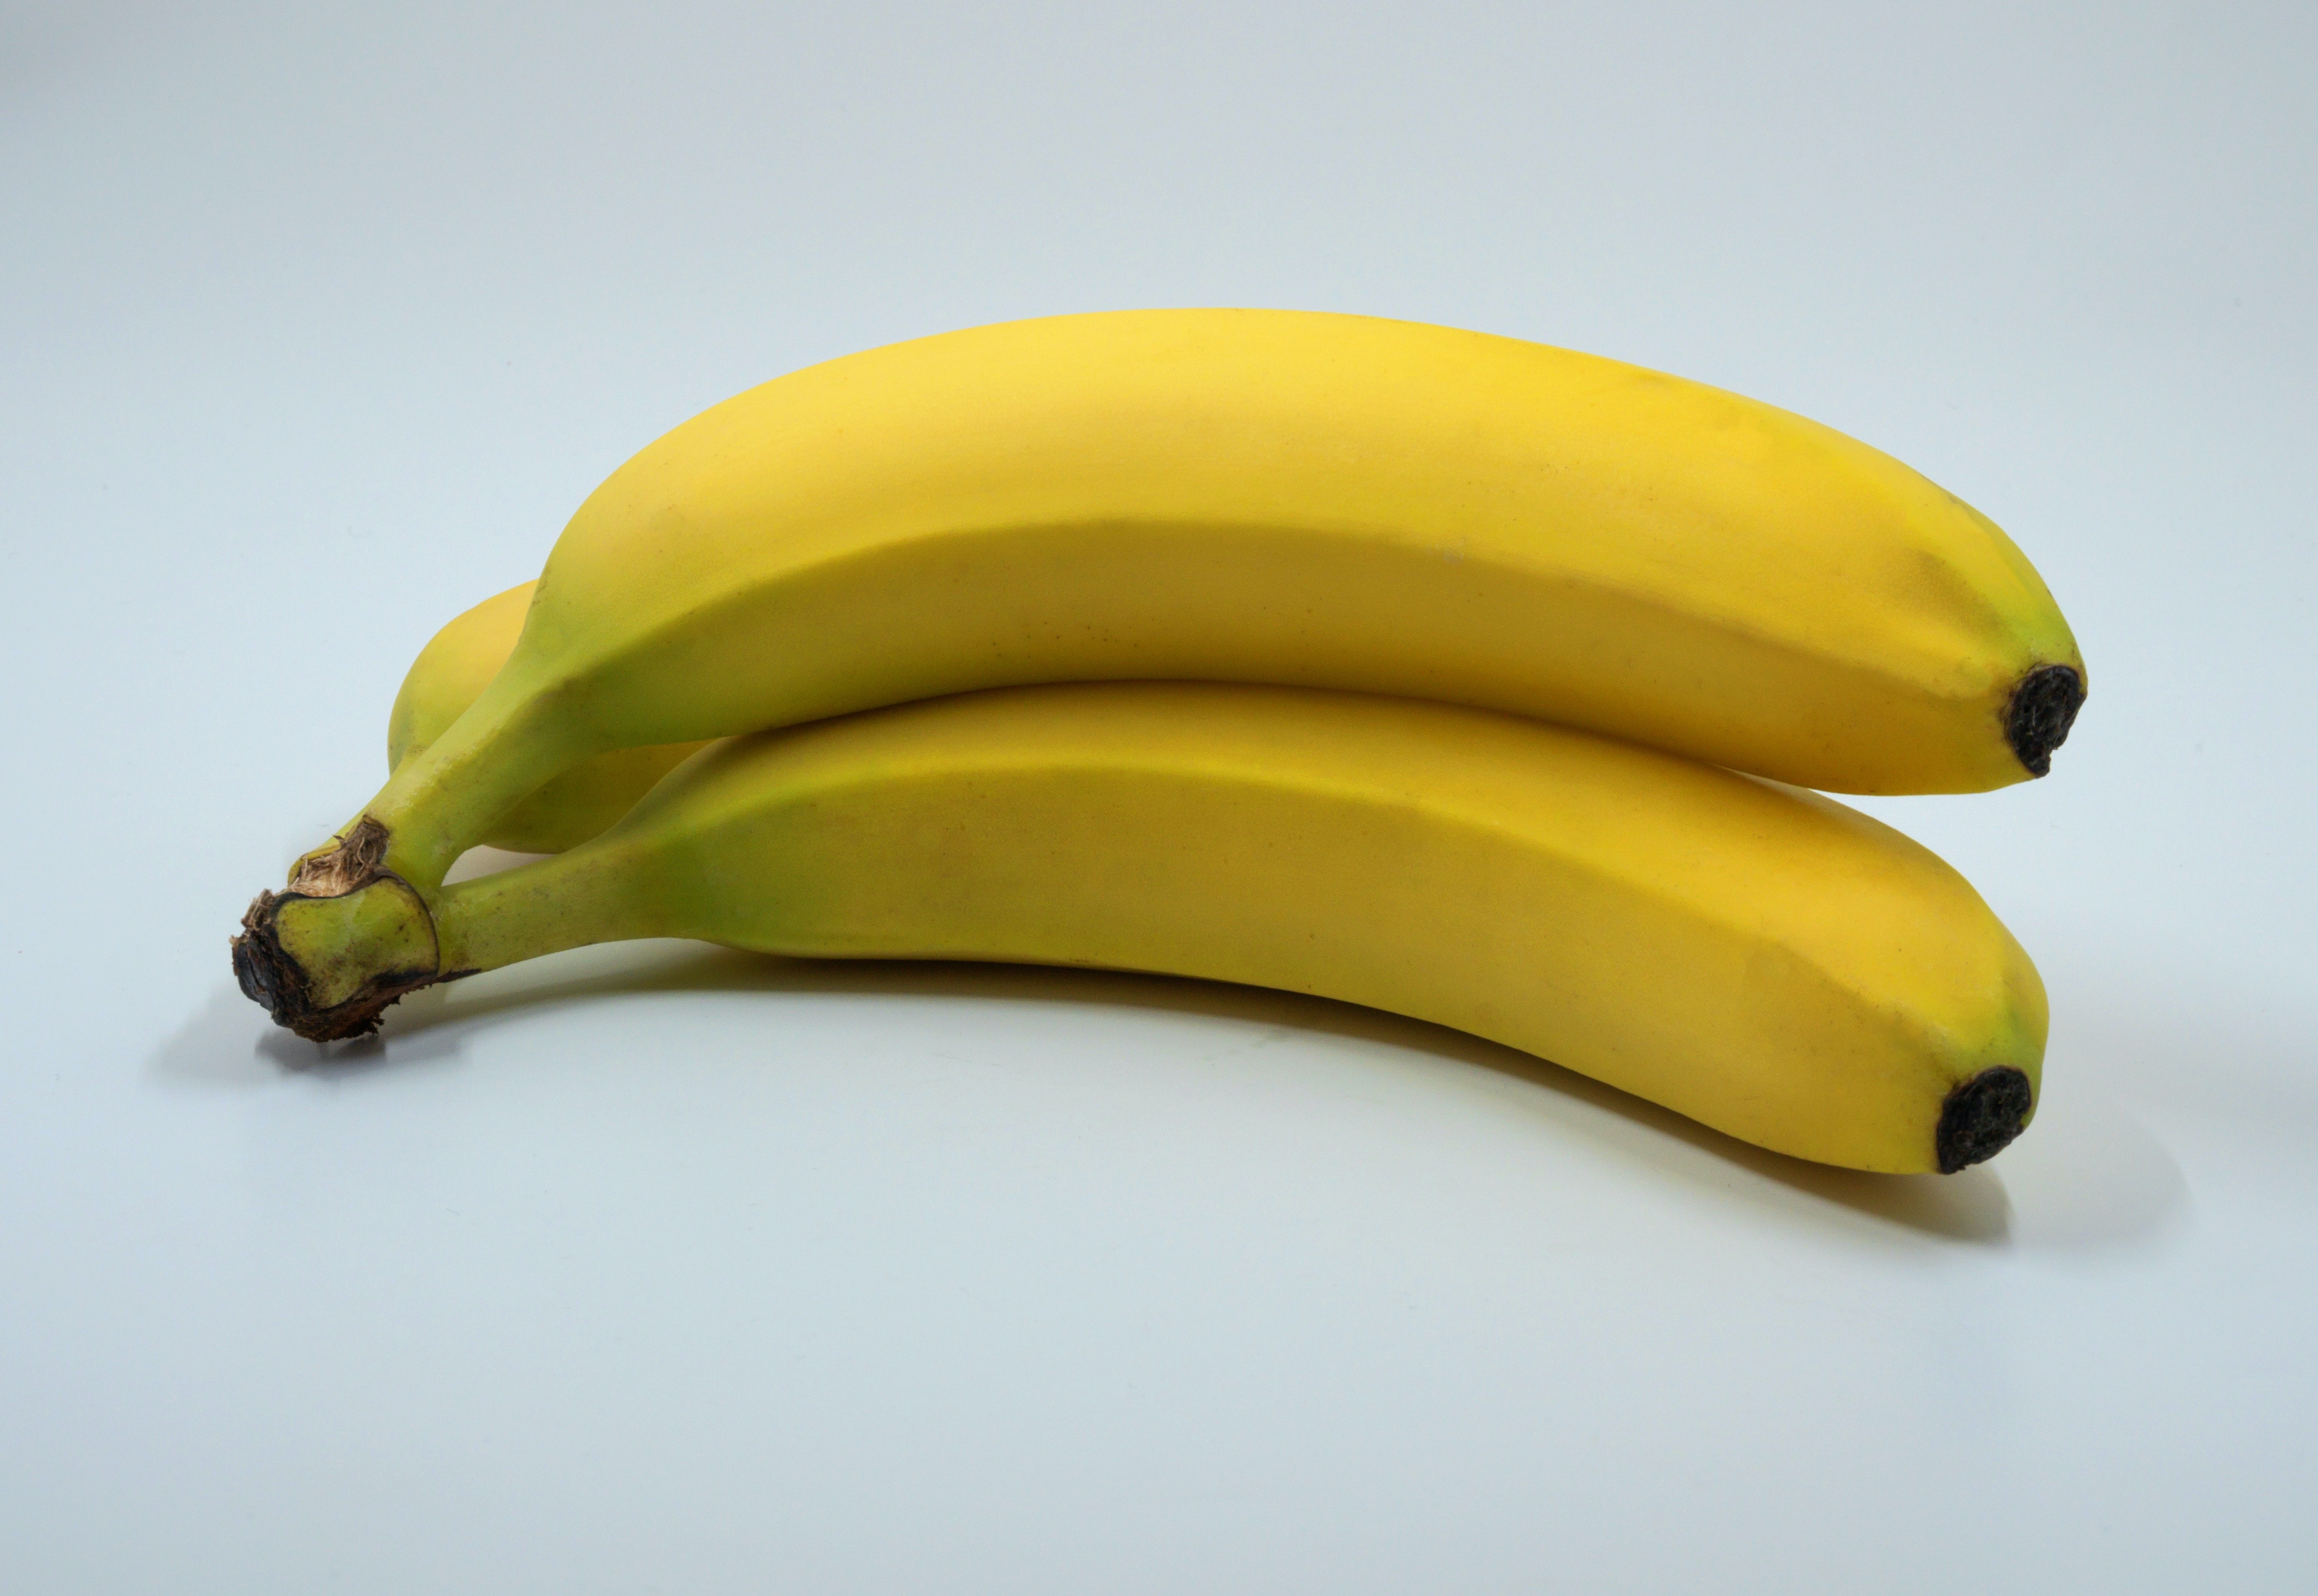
x=2044, y=707
x=1981, y=1117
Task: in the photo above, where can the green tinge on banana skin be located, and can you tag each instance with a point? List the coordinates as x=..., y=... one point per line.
x=585, y=801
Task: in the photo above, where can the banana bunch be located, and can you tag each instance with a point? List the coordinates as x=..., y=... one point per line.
x=1448, y=674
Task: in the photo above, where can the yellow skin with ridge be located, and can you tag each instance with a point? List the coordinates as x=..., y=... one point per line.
x=1262, y=496
x=1757, y=957
x=1259, y=496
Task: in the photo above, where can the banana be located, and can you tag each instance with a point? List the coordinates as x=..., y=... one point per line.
x=1267, y=496
x=1757, y=957
x=452, y=671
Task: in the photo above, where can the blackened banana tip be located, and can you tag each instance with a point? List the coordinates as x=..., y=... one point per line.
x=2044, y=707
x=1981, y=1117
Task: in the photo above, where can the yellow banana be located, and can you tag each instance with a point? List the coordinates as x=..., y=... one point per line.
x=1269, y=497
x=1754, y=956
x=452, y=671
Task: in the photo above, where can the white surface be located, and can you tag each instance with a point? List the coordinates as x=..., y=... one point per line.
x=660, y=1269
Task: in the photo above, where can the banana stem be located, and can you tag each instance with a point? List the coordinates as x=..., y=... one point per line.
x=355, y=930
x=592, y=894
x=508, y=743
x=329, y=966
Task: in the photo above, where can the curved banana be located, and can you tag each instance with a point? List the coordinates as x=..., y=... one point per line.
x=1259, y=496
x=1754, y=956
x=452, y=671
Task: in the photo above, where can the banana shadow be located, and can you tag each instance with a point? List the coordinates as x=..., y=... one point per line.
x=431, y=1027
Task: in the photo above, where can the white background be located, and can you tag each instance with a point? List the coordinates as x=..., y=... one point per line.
x=667, y=1269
